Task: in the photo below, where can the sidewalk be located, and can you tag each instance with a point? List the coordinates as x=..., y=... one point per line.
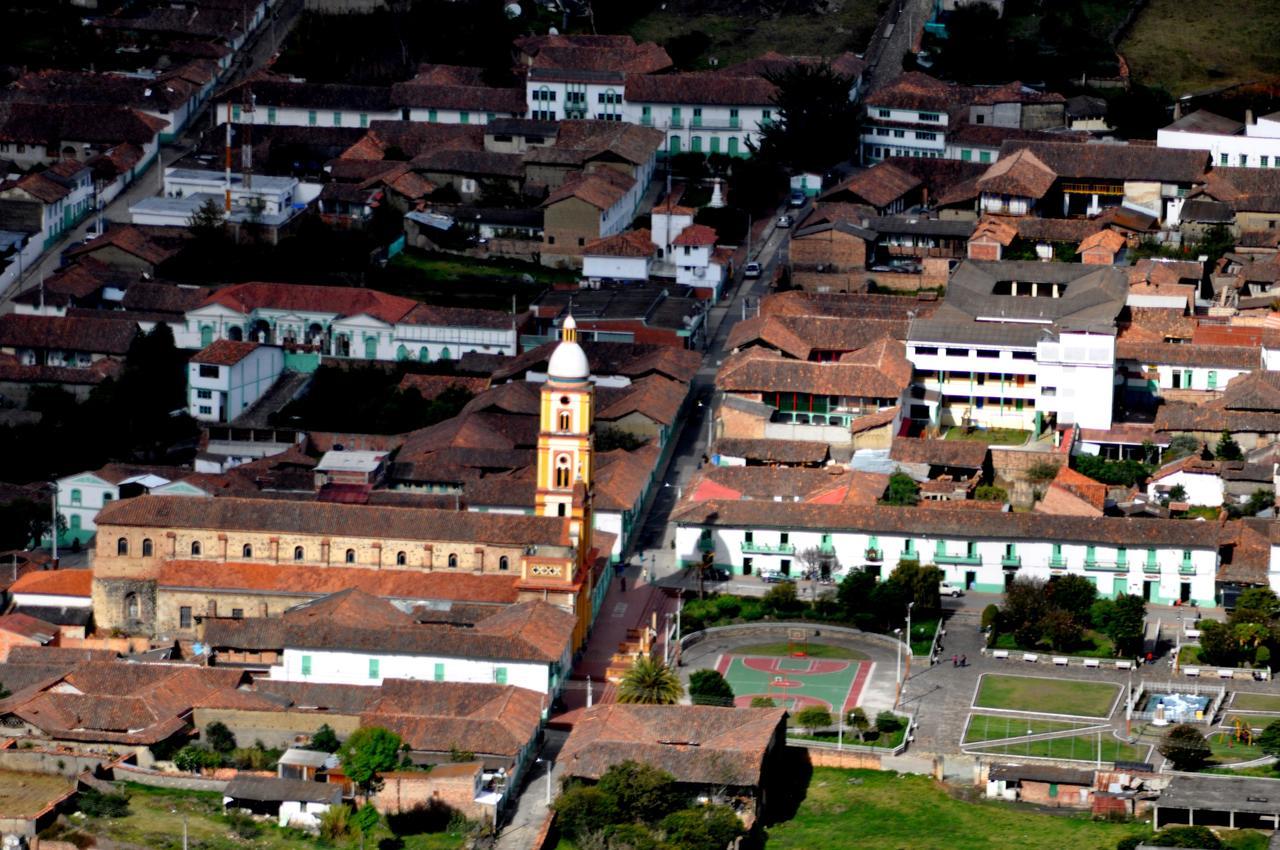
x=620, y=612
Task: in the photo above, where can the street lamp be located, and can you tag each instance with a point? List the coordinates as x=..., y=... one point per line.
x=897, y=664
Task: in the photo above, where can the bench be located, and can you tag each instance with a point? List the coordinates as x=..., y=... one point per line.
x=1226, y=674
x=1124, y=665
x=1091, y=662
x=1030, y=656
x=1193, y=672
x=1000, y=653
x=1060, y=661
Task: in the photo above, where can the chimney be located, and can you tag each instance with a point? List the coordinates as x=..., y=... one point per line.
x=1248, y=117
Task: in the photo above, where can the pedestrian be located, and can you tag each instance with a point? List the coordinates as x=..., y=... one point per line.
x=644, y=575
x=955, y=661
x=964, y=661
x=623, y=579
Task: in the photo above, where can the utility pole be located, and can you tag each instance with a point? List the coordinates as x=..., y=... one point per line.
x=53, y=529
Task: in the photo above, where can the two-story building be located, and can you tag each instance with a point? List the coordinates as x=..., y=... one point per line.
x=225, y=378
x=43, y=133
x=455, y=94
x=279, y=101
x=1248, y=144
x=81, y=495
x=74, y=342
x=908, y=117
x=47, y=203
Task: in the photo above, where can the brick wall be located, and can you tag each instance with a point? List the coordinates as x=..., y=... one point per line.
x=835, y=251
x=451, y=785
x=9, y=639
x=740, y=425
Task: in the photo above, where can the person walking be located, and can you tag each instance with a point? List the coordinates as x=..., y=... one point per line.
x=964, y=661
x=955, y=661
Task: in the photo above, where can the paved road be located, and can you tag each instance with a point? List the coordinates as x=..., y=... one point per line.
x=903, y=21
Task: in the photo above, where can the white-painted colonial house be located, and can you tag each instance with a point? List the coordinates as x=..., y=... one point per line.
x=48, y=203
x=272, y=100
x=626, y=256
x=225, y=378
x=1251, y=144
x=82, y=495
x=698, y=263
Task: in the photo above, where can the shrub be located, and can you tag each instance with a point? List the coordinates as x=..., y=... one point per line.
x=1187, y=836
x=243, y=824
x=641, y=791
x=708, y=687
x=857, y=720
x=219, y=738
x=813, y=718
x=781, y=599
x=727, y=607
x=902, y=490
x=366, y=818
x=336, y=822
x=325, y=740
x=194, y=757
x=95, y=804
x=1262, y=657
x=991, y=493
x=1042, y=472
x=887, y=723
x=1185, y=747
x=701, y=828
x=763, y=702
x=583, y=810
x=990, y=615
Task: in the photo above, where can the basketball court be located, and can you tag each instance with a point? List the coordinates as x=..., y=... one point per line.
x=795, y=681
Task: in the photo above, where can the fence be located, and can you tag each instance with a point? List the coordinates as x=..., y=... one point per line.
x=1061, y=660
x=1217, y=693
x=142, y=776
x=841, y=746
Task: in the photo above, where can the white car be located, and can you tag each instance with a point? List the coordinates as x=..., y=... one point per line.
x=751, y=270
x=946, y=588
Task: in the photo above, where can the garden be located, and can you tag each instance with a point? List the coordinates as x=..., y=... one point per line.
x=1249, y=638
x=1065, y=615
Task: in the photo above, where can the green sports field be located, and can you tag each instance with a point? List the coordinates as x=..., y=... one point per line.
x=1046, y=696
x=796, y=682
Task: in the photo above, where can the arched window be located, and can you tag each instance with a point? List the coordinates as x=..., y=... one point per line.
x=75, y=496
x=132, y=609
x=503, y=563
x=122, y=546
x=146, y=547
x=297, y=553
x=565, y=419
x=247, y=551
x=453, y=560
x=195, y=548
x=351, y=556
x=401, y=559
x=562, y=472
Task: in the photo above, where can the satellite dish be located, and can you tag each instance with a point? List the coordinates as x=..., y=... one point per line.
x=513, y=10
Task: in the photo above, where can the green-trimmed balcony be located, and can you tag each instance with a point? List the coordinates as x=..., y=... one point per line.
x=967, y=559
x=753, y=548
x=1011, y=562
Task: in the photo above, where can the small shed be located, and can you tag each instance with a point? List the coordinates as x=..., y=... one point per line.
x=306, y=765
x=292, y=802
x=1045, y=785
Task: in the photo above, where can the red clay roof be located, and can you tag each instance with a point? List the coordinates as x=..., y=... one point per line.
x=630, y=243
x=224, y=352
x=343, y=300
x=697, y=234
x=55, y=583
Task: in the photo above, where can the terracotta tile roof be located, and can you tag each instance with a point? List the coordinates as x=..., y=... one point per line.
x=28, y=627
x=1014, y=92
x=1246, y=551
x=481, y=98
x=1114, y=161
x=342, y=300
x=19, y=373
x=913, y=90
x=230, y=577
x=970, y=454
x=488, y=163
x=879, y=371
x=629, y=243
x=458, y=317
x=994, y=229
x=152, y=244
x=1082, y=486
x=55, y=583
x=621, y=477
x=85, y=87
x=1074, y=230
x=79, y=281
x=97, y=336
x=52, y=655
x=53, y=124
x=697, y=744
x=569, y=53
x=892, y=307
x=1107, y=240
x=440, y=716
x=1023, y=174
x=653, y=396
x=431, y=386
x=601, y=189
x=274, y=90
x=224, y=352
x=1244, y=189
x=880, y=185
x=773, y=451
x=802, y=336
x=697, y=234
x=703, y=87
x=633, y=360
x=234, y=514
x=1183, y=354
x=38, y=186
x=670, y=205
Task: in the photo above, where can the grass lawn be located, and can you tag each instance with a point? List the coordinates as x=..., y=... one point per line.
x=922, y=636
x=1262, y=771
x=1080, y=747
x=1254, y=702
x=155, y=821
x=462, y=282
x=873, y=739
x=27, y=794
x=993, y=436
x=1165, y=46
x=872, y=810
x=992, y=727
x=1096, y=645
x=1049, y=696
x=1189, y=654
x=815, y=650
x=1226, y=749
x=745, y=31
x=1257, y=721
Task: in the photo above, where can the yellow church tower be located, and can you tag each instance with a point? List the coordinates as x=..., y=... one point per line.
x=564, y=437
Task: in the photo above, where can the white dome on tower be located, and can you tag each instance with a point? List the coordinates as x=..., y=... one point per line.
x=569, y=362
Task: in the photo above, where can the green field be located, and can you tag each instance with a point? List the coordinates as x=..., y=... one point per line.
x=814, y=650
x=1254, y=702
x=1079, y=747
x=1046, y=696
x=993, y=436
x=1227, y=750
x=884, y=811
x=1257, y=721
x=992, y=727
x=463, y=282
x=1166, y=45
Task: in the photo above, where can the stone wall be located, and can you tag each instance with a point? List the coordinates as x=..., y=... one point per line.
x=1010, y=468
x=275, y=728
x=49, y=761
x=452, y=786
x=128, y=773
x=833, y=250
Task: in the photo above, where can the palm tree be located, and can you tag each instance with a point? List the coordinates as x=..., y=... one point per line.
x=650, y=682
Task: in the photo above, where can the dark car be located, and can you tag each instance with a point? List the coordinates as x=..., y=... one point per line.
x=774, y=577
x=717, y=574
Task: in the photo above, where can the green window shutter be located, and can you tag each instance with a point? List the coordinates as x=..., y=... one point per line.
x=306, y=665
x=1122, y=556
x=337, y=119
x=311, y=118
x=373, y=668
x=464, y=117
x=364, y=119
x=439, y=671
x=966, y=155
x=1213, y=380
x=500, y=675
x=235, y=113
x=432, y=115
x=939, y=548
x=271, y=115
x=1151, y=557
x=1053, y=789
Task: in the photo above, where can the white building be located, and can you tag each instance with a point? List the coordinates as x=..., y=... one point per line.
x=259, y=198
x=1017, y=342
x=82, y=495
x=1229, y=142
x=338, y=321
x=48, y=203
x=225, y=378
x=705, y=112
x=1200, y=480
x=626, y=256
x=698, y=263
x=1161, y=560
x=272, y=100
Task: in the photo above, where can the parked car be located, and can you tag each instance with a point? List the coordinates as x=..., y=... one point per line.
x=796, y=199
x=946, y=588
x=785, y=221
x=774, y=577
x=717, y=574
x=751, y=270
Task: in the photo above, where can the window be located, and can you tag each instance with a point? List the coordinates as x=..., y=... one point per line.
x=766, y=116
x=982, y=119
x=246, y=551
x=504, y=563
x=401, y=559
x=122, y=546
x=204, y=393
x=195, y=548
x=207, y=371
x=364, y=119
x=439, y=671
x=881, y=131
x=271, y=115
x=337, y=119
x=373, y=668
x=1244, y=160
x=206, y=410
x=351, y=556
x=75, y=496
x=1213, y=380
x=500, y=675
x=930, y=116
x=235, y=113
x=1224, y=159
x=927, y=137
x=311, y=118
x=132, y=607
x=297, y=553
x=1265, y=160
x=464, y=117
x=237, y=613
x=306, y=665
x=146, y=547
x=453, y=561
x=184, y=617
x=432, y=115
x=564, y=420
x=883, y=113
x=899, y=134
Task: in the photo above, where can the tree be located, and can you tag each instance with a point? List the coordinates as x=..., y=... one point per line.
x=1025, y=607
x=815, y=124
x=917, y=583
x=858, y=721
x=1227, y=448
x=219, y=738
x=1200, y=837
x=610, y=438
x=817, y=562
x=853, y=594
x=701, y=828
x=1217, y=644
x=991, y=493
x=1063, y=630
x=781, y=599
x=1269, y=740
x=325, y=740
x=990, y=617
x=708, y=687
x=902, y=490
x=1185, y=747
x=195, y=757
x=1122, y=620
x=1255, y=605
x=650, y=682
x=640, y=791
x=1181, y=446
x=975, y=50
x=23, y=522
x=1041, y=472
x=1177, y=493
x=887, y=723
x=583, y=810
x=369, y=751
x=207, y=222
x=813, y=718
x=1073, y=594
